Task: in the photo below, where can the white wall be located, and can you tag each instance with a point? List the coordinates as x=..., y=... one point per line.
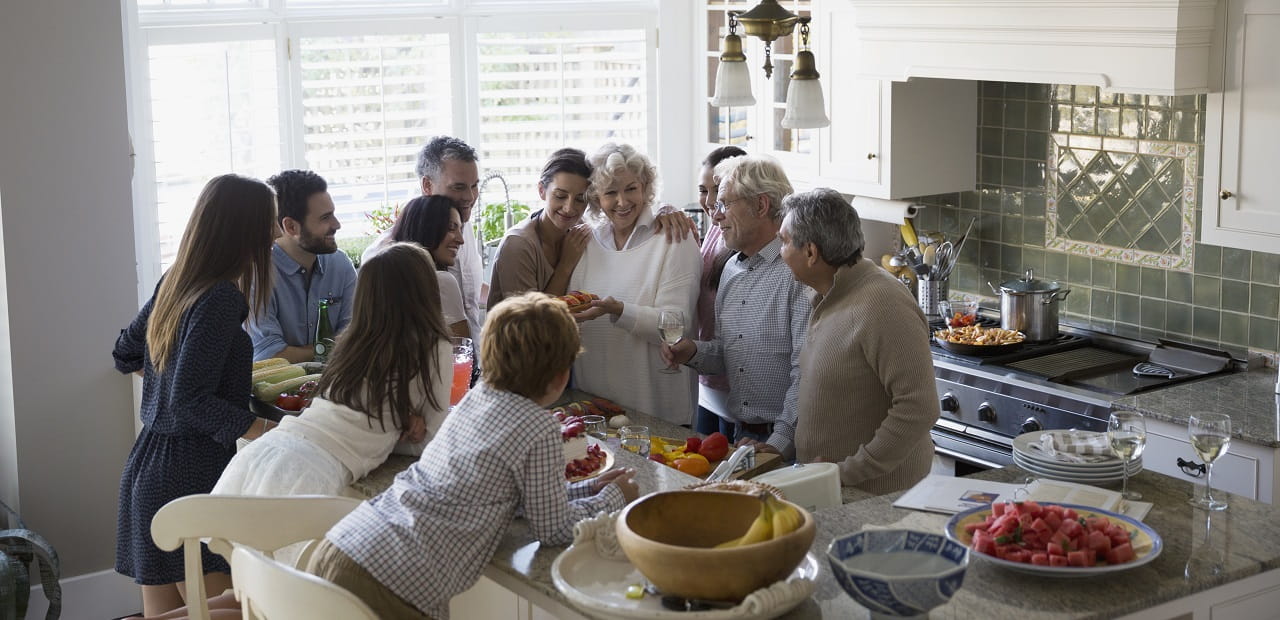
x=69, y=273
x=677, y=104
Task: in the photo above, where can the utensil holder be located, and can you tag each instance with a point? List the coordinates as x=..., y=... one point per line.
x=929, y=293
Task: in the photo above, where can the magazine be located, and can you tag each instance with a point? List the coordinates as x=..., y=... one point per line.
x=949, y=495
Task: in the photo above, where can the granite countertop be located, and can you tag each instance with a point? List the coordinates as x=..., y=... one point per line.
x=1248, y=397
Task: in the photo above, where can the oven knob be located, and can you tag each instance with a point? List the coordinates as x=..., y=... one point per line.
x=987, y=413
x=948, y=402
x=1031, y=425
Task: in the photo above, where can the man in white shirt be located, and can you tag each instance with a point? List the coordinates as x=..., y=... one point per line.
x=449, y=166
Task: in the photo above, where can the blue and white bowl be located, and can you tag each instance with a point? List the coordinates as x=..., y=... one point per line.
x=899, y=573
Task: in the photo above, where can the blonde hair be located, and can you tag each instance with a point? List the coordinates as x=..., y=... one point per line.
x=529, y=339
x=606, y=163
x=228, y=238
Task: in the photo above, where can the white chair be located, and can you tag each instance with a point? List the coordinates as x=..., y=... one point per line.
x=263, y=523
x=269, y=590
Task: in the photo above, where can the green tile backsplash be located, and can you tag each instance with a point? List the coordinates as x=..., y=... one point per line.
x=1230, y=298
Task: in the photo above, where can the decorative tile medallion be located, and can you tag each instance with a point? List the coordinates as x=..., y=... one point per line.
x=1126, y=200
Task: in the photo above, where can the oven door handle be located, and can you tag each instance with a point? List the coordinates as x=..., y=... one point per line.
x=966, y=458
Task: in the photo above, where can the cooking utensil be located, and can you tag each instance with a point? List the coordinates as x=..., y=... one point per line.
x=944, y=261
x=1030, y=306
x=978, y=350
x=929, y=293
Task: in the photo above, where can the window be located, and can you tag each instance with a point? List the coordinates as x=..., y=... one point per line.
x=353, y=99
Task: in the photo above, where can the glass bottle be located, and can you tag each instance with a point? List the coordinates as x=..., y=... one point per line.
x=324, y=333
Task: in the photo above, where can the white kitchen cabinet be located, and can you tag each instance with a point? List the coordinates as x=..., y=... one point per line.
x=1246, y=469
x=1241, y=188
x=886, y=139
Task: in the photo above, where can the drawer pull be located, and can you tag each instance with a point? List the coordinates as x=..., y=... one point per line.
x=1191, y=468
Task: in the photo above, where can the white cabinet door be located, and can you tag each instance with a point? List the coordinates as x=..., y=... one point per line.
x=1249, y=470
x=852, y=153
x=1241, y=188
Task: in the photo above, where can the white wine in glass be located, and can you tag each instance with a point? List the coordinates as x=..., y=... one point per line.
x=1210, y=437
x=671, y=330
x=1127, y=431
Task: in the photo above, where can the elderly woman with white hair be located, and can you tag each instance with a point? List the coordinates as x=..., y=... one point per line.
x=638, y=274
x=867, y=398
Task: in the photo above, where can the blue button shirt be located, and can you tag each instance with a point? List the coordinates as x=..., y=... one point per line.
x=292, y=312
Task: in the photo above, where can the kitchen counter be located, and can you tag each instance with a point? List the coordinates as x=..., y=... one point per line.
x=1248, y=397
x=1246, y=537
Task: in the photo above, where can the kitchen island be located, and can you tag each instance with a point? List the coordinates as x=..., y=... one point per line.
x=1239, y=563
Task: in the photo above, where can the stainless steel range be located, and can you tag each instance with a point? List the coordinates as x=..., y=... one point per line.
x=1065, y=383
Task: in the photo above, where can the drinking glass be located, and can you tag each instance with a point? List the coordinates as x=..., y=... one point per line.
x=671, y=329
x=1210, y=436
x=635, y=439
x=596, y=425
x=1127, y=431
x=463, y=361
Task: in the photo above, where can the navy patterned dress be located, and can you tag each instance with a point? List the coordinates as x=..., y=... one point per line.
x=191, y=414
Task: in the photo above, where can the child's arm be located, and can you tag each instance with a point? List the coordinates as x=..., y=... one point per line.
x=545, y=496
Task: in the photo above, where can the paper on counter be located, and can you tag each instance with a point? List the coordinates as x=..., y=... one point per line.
x=949, y=495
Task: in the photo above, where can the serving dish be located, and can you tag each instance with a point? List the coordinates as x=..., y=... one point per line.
x=1146, y=543
x=608, y=460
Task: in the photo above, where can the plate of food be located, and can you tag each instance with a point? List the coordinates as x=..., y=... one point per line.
x=979, y=340
x=586, y=459
x=1056, y=540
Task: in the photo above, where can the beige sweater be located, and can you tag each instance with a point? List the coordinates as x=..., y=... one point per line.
x=867, y=396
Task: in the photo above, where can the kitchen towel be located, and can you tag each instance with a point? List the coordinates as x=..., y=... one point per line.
x=1076, y=447
x=891, y=211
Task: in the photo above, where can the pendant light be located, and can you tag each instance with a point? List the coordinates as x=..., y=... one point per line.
x=806, y=107
x=733, y=80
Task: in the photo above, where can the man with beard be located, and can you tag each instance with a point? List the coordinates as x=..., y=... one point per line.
x=309, y=268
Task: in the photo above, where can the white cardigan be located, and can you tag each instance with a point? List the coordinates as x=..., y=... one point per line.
x=622, y=357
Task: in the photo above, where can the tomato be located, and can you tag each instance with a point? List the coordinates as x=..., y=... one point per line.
x=714, y=447
x=290, y=402
x=692, y=444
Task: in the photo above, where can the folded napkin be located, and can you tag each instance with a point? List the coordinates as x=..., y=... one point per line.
x=1075, y=446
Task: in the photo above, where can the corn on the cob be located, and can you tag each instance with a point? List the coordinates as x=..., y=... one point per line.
x=271, y=363
x=276, y=374
x=269, y=393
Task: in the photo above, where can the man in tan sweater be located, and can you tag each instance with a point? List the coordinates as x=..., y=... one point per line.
x=867, y=396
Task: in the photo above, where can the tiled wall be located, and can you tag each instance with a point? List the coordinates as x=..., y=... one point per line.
x=1231, y=298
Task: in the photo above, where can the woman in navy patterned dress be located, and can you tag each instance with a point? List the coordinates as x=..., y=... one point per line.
x=189, y=344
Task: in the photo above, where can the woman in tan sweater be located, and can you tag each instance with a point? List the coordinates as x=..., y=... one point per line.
x=867, y=396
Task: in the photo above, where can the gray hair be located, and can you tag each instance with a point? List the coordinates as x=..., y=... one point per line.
x=606, y=163
x=824, y=218
x=437, y=150
x=753, y=175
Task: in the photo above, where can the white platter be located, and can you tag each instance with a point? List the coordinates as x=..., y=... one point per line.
x=1071, y=476
x=597, y=584
x=608, y=460
x=1135, y=466
x=1022, y=443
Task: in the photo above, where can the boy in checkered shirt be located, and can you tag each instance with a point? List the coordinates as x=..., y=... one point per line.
x=426, y=539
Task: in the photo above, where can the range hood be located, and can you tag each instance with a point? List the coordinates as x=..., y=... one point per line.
x=1157, y=47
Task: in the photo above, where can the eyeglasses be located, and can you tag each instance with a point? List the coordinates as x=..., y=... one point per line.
x=723, y=206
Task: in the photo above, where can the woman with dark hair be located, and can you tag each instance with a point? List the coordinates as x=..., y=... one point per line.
x=713, y=390
x=435, y=223
x=190, y=346
x=540, y=253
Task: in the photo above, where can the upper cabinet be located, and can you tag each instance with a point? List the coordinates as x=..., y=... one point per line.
x=1157, y=47
x=1242, y=128
x=886, y=139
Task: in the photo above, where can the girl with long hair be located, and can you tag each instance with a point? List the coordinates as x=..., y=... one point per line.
x=435, y=223
x=189, y=344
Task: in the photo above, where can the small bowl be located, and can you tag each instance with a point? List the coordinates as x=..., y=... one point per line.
x=670, y=538
x=898, y=573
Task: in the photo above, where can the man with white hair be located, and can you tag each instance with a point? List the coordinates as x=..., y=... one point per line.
x=761, y=310
x=867, y=396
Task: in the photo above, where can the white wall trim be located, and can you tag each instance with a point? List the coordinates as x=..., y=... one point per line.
x=92, y=596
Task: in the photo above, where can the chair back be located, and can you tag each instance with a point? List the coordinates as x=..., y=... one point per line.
x=269, y=590
x=263, y=523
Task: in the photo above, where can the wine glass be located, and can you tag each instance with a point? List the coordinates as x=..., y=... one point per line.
x=1127, y=431
x=1210, y=436
x=671, y=329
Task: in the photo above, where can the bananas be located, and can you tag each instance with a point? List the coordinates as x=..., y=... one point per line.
x=776, y=518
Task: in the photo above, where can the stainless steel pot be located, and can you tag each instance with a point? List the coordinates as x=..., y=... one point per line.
x=1030, y=306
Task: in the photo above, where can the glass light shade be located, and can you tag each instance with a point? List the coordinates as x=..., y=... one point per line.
x=806, y=108
x=733, y=85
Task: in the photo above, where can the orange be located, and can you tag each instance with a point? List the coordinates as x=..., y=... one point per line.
x=693, y=464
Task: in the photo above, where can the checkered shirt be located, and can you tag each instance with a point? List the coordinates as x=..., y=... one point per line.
x=762, y=314
x=428, y=537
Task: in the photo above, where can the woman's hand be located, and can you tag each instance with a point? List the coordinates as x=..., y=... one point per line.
x=417, y=430
x=675, y=224
x=574, y=245
x=599, y=308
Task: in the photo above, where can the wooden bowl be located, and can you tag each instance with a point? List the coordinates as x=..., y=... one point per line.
x=669, y=537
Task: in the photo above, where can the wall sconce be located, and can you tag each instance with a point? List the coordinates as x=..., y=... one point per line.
x=768, y=21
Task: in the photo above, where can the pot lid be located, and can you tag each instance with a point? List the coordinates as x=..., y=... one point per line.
x=1029, y=284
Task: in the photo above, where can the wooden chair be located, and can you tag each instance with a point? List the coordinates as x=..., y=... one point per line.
x=263, y=523
x=269, y=590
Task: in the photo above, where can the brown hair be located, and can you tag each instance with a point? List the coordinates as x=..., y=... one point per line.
x=396, y=325
x=528, y=340
x=228, y=238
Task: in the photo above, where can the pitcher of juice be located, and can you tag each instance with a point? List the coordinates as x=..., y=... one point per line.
x=463, y=360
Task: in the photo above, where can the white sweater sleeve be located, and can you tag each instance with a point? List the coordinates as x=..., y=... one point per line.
x=678, y=270
x=450, y=298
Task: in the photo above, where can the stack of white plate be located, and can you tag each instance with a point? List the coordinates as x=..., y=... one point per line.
x=1103, y=471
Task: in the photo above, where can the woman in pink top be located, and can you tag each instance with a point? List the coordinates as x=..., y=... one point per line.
x=713, y=390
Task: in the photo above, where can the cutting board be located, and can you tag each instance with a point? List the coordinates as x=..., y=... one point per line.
x=764, y=461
